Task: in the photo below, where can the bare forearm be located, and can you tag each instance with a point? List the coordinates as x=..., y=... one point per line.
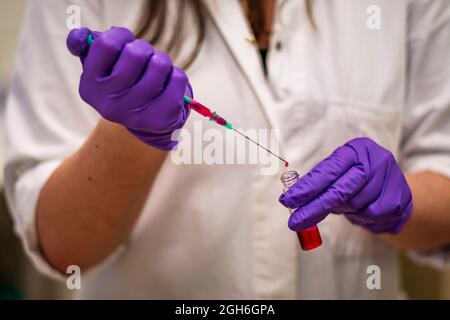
x=92, y=200
x=429, y=226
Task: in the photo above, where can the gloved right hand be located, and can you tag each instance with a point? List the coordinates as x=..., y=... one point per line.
x=130, y=83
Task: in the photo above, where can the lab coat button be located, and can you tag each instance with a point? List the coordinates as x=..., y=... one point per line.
x=250, y=38
x=278, y=45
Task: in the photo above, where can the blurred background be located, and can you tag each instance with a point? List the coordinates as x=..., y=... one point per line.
x=18, y=279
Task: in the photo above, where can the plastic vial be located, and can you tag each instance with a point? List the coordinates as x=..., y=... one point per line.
x=309, y=238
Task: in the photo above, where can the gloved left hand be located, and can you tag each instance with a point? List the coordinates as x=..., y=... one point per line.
x=361, y=180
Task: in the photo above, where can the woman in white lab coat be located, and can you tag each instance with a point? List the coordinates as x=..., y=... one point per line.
x=84, y=191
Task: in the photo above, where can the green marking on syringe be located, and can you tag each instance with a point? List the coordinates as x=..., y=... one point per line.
x=90, y=39
x=187, y=100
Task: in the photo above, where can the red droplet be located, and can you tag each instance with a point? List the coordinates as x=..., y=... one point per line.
x=286, y=164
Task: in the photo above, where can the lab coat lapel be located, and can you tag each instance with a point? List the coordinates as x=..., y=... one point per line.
x=235, y=30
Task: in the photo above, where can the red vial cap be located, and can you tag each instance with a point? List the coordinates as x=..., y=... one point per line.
x=309, y=238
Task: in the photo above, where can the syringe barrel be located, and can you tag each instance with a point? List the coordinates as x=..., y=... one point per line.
x=197, y=106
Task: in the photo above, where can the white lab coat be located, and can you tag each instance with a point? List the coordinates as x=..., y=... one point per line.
x=218, y=231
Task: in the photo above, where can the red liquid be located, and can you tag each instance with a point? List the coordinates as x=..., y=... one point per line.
x=286, y=164
x=309, y=238
x=197, y=106
x=217, y=119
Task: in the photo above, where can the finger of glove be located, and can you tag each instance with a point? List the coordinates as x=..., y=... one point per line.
x=166, y=111
x=77, y=42
x=332, y=200
x=319, y=178
x=105, y=51
x=129, y=68
x=151, y=85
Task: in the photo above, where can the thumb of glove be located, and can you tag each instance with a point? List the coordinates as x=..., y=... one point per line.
x=77, y=41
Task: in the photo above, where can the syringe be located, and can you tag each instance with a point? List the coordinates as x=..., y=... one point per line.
x=213, y=116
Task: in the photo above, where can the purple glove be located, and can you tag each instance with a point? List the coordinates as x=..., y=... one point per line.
x=129, y=83
x=361, y=180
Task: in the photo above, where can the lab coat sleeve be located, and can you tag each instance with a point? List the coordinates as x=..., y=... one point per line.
x=46, y=121
x=425, y=144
